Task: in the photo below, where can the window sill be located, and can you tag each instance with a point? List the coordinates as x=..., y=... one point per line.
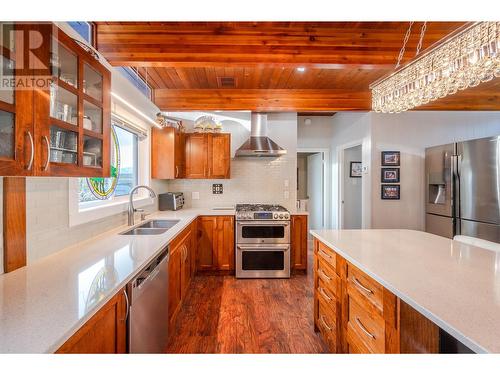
x=80, y=216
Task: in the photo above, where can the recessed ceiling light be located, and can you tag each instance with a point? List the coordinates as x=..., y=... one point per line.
x=301, y=69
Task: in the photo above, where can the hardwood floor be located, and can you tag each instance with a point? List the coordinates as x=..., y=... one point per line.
x=223, y=314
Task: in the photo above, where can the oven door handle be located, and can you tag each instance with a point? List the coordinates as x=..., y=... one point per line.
x=259, y=248
x=260, y=224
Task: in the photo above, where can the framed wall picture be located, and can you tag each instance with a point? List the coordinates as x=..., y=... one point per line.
x=390, y=192
x=356, y=169
x=391, y=158
x=389, y=175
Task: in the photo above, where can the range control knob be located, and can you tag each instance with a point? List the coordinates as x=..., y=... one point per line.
x=275, y=216
x=281, y=216
x=287, y=216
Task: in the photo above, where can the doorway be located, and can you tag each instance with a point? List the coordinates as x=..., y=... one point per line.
x=351, y=188
x=311, y=186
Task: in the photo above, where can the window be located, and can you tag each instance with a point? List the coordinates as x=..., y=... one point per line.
x=124, y=168
x=136, y=80
x=85, y=29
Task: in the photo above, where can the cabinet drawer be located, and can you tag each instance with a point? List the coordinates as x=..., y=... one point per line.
x=327, y=325
x=364, y=289
x=368, y=328
x=328, y=255
x=328, y=277
x=328, y=298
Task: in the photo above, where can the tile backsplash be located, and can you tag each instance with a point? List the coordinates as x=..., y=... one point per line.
x=253, y=180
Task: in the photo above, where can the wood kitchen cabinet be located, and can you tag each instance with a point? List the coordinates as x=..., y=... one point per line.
x=61, y=126
x=104, y=333
x=353, y=313
x=299, y=242
x=167, y=153
x=215, y=251
x=208, y=155
x=180, y=269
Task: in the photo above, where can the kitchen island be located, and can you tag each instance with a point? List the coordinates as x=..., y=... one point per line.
x=454, y=285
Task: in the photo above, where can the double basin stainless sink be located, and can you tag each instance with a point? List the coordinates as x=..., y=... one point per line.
x=151, y=227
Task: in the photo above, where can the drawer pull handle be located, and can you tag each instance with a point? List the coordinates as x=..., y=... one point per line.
x=324, y=275
x=324, y=254
x=323, y=293
x=322, y=317
x=359, y=285
x=360, y=325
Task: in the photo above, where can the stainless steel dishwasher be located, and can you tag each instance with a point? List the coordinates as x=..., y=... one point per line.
x=148, y=314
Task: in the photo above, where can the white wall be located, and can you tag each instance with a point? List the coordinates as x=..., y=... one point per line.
x=318, y=136
x=411, y=133
x=352, y=192
x=351, y=129
x=253, y=180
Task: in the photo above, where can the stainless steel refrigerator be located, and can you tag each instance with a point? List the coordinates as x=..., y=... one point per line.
x=463, y=189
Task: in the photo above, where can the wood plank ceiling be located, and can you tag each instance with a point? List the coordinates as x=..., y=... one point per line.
x=255, y=65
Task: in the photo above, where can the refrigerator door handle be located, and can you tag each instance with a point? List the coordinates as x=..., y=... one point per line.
x=455, y=191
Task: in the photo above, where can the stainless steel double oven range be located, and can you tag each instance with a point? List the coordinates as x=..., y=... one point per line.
x=262, y=241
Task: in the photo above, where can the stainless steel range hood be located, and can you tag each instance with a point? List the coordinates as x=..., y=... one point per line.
x=259, y=144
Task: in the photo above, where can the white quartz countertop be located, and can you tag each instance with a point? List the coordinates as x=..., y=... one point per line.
x=43, y=304
x=457, y=286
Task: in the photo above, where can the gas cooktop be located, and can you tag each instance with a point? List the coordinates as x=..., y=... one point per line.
x=261, y=212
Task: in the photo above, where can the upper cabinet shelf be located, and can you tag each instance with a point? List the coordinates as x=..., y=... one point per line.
x=60, y=127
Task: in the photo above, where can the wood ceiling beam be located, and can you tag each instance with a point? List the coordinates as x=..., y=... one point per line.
x=328, y=45
x=263, y=100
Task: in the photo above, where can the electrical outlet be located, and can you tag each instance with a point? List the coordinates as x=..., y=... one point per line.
x=217, y=189
x=195, y=195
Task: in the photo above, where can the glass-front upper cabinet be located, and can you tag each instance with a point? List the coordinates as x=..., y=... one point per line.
x=54, y=104
x=77, y=131
x=17, y=146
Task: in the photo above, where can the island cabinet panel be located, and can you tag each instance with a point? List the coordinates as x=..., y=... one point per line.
x=299, y=242
x=104, y=333
x=208, y=156
x=353, y=313
x=167, y=153
x=327, y=298
x=366, y=314
x=215, y=244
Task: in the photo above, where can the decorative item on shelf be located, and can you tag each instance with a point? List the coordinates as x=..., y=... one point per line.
x=182, y=128
x=391, y=158
x=463, y=59
x=218, y=127
x=389, y=175
x=356, y=169
x=390, y=192
x=205, y=124
x=87, y=123
x=160, y=119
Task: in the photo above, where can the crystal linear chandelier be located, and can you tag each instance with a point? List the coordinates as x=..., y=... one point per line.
x=464, y=59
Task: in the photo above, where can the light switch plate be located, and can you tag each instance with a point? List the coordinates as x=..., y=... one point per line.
x=195, y=195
